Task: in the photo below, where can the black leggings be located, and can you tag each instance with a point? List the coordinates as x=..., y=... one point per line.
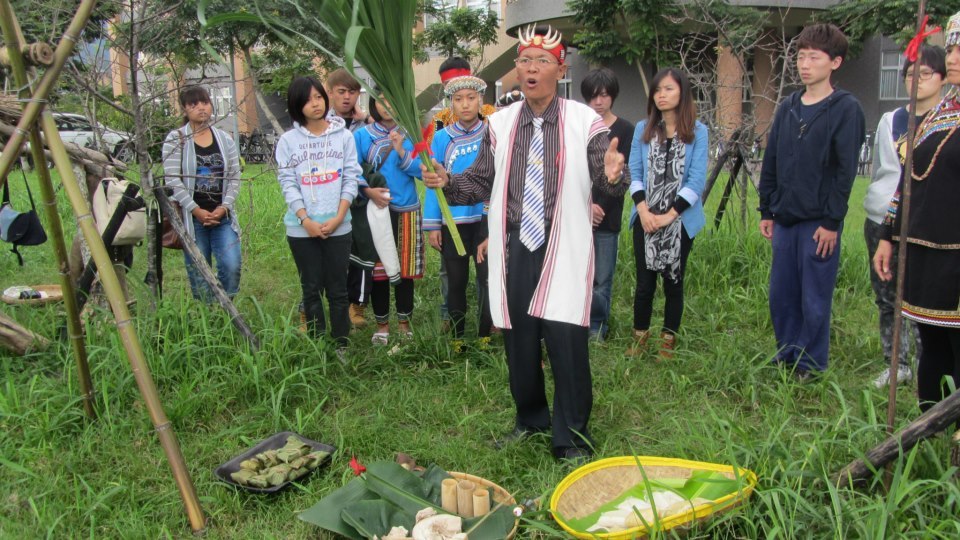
x=940, y=358
x=647, y=285
x=322, y=265
x=458, y=278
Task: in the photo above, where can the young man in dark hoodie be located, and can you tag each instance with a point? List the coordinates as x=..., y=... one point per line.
x=808, y=171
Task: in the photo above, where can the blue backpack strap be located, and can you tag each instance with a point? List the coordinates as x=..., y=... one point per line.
x=899, y=125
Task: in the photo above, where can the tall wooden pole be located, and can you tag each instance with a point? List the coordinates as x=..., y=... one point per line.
x=14, y=41
x=903, y=210
x=108, y=276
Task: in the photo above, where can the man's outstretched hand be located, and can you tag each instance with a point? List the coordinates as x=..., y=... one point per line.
x=436, y=179
x=613, y=162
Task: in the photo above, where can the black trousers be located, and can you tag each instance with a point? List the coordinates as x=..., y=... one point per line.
x=322, y=265
x=940, y=358
x=359, y=284
x=567, y=347
x=403, y=291
x=647, y=285
x=458, y=278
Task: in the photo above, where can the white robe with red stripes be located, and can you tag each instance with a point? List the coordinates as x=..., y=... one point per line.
x=565, y=288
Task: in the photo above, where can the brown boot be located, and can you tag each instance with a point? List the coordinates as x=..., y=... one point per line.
x=668, y=342
x=357, y=315
x=640, y=339
x=303, y=319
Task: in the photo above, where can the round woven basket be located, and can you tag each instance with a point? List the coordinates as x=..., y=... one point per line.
x=53, y=294
x=588, y=488
x=497, y=493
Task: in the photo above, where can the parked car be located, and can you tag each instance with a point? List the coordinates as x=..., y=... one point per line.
x=77, y=129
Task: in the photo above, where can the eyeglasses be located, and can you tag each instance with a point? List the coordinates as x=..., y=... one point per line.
x=925, y=74
x=539, y=62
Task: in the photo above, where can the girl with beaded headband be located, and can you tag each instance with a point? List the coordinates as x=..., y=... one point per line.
x=458, y=145
x=931, y=292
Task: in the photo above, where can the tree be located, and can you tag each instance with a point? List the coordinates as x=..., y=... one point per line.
x=894, y=18
x=642, y=32
x=458, y=31
x=247, y=37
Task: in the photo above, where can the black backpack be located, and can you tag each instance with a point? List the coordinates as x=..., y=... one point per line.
x=20, y=228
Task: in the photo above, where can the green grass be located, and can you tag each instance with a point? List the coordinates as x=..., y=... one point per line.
x=66, y=477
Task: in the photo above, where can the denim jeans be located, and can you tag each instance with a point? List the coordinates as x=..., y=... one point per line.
x=604, y=263
x=223, y=243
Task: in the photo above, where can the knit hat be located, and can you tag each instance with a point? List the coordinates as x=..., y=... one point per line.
x=953, y=30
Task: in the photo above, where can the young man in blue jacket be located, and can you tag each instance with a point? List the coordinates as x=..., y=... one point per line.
x=808, y=171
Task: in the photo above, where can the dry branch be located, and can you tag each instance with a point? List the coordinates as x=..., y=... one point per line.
x=940, y=417
x=19, y=340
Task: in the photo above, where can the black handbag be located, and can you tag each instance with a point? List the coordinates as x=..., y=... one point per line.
x=20, y=228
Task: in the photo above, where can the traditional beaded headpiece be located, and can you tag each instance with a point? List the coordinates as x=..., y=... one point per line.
x=953, y=30
x=456, y=84
x=551, y=41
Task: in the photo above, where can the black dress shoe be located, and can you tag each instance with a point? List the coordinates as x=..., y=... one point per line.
x=575, y=455
x=516, y=435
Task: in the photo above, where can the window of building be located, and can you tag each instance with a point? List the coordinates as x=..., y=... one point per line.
x=484, y=4
x=891, y=85
x=222, y=98
x=443, y=6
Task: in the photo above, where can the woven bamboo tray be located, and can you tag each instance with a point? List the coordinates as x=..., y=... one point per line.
x=53, y=294
x=497, y=494
x=588, y=488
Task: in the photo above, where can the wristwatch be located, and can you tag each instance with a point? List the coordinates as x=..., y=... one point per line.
x=300, y=220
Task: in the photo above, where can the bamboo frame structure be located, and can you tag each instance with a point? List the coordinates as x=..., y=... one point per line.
x=101, y=258
x=14, y=40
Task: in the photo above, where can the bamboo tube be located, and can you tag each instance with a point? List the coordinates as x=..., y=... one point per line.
x=32, y=110
x=465, y=490
x=448, y=495
x=12, y=36
x=481, y=502
x=35, y=54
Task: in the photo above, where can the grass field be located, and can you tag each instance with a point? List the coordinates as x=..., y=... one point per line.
x=66, y=477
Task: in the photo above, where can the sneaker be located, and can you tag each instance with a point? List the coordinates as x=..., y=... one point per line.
x=904, y=374
x=342, y=355
x=380, y=338
x=358, y=315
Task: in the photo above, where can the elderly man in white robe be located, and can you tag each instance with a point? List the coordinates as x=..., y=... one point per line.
x=541, y=157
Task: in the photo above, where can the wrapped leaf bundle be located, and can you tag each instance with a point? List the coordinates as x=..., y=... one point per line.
x=242, y=476
x=278, y=475
x=258, y=481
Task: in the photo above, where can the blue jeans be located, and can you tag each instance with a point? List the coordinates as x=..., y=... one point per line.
x=801, y=295
x=604, y=263
x=223, y=243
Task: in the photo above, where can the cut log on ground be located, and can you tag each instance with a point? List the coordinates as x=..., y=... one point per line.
x=18, y=339
x=940, y=417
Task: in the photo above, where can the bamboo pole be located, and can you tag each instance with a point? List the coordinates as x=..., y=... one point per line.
x=125, y=326
x=904, y=211
x=33, y=108
x=108, y=276
x=13, y=37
